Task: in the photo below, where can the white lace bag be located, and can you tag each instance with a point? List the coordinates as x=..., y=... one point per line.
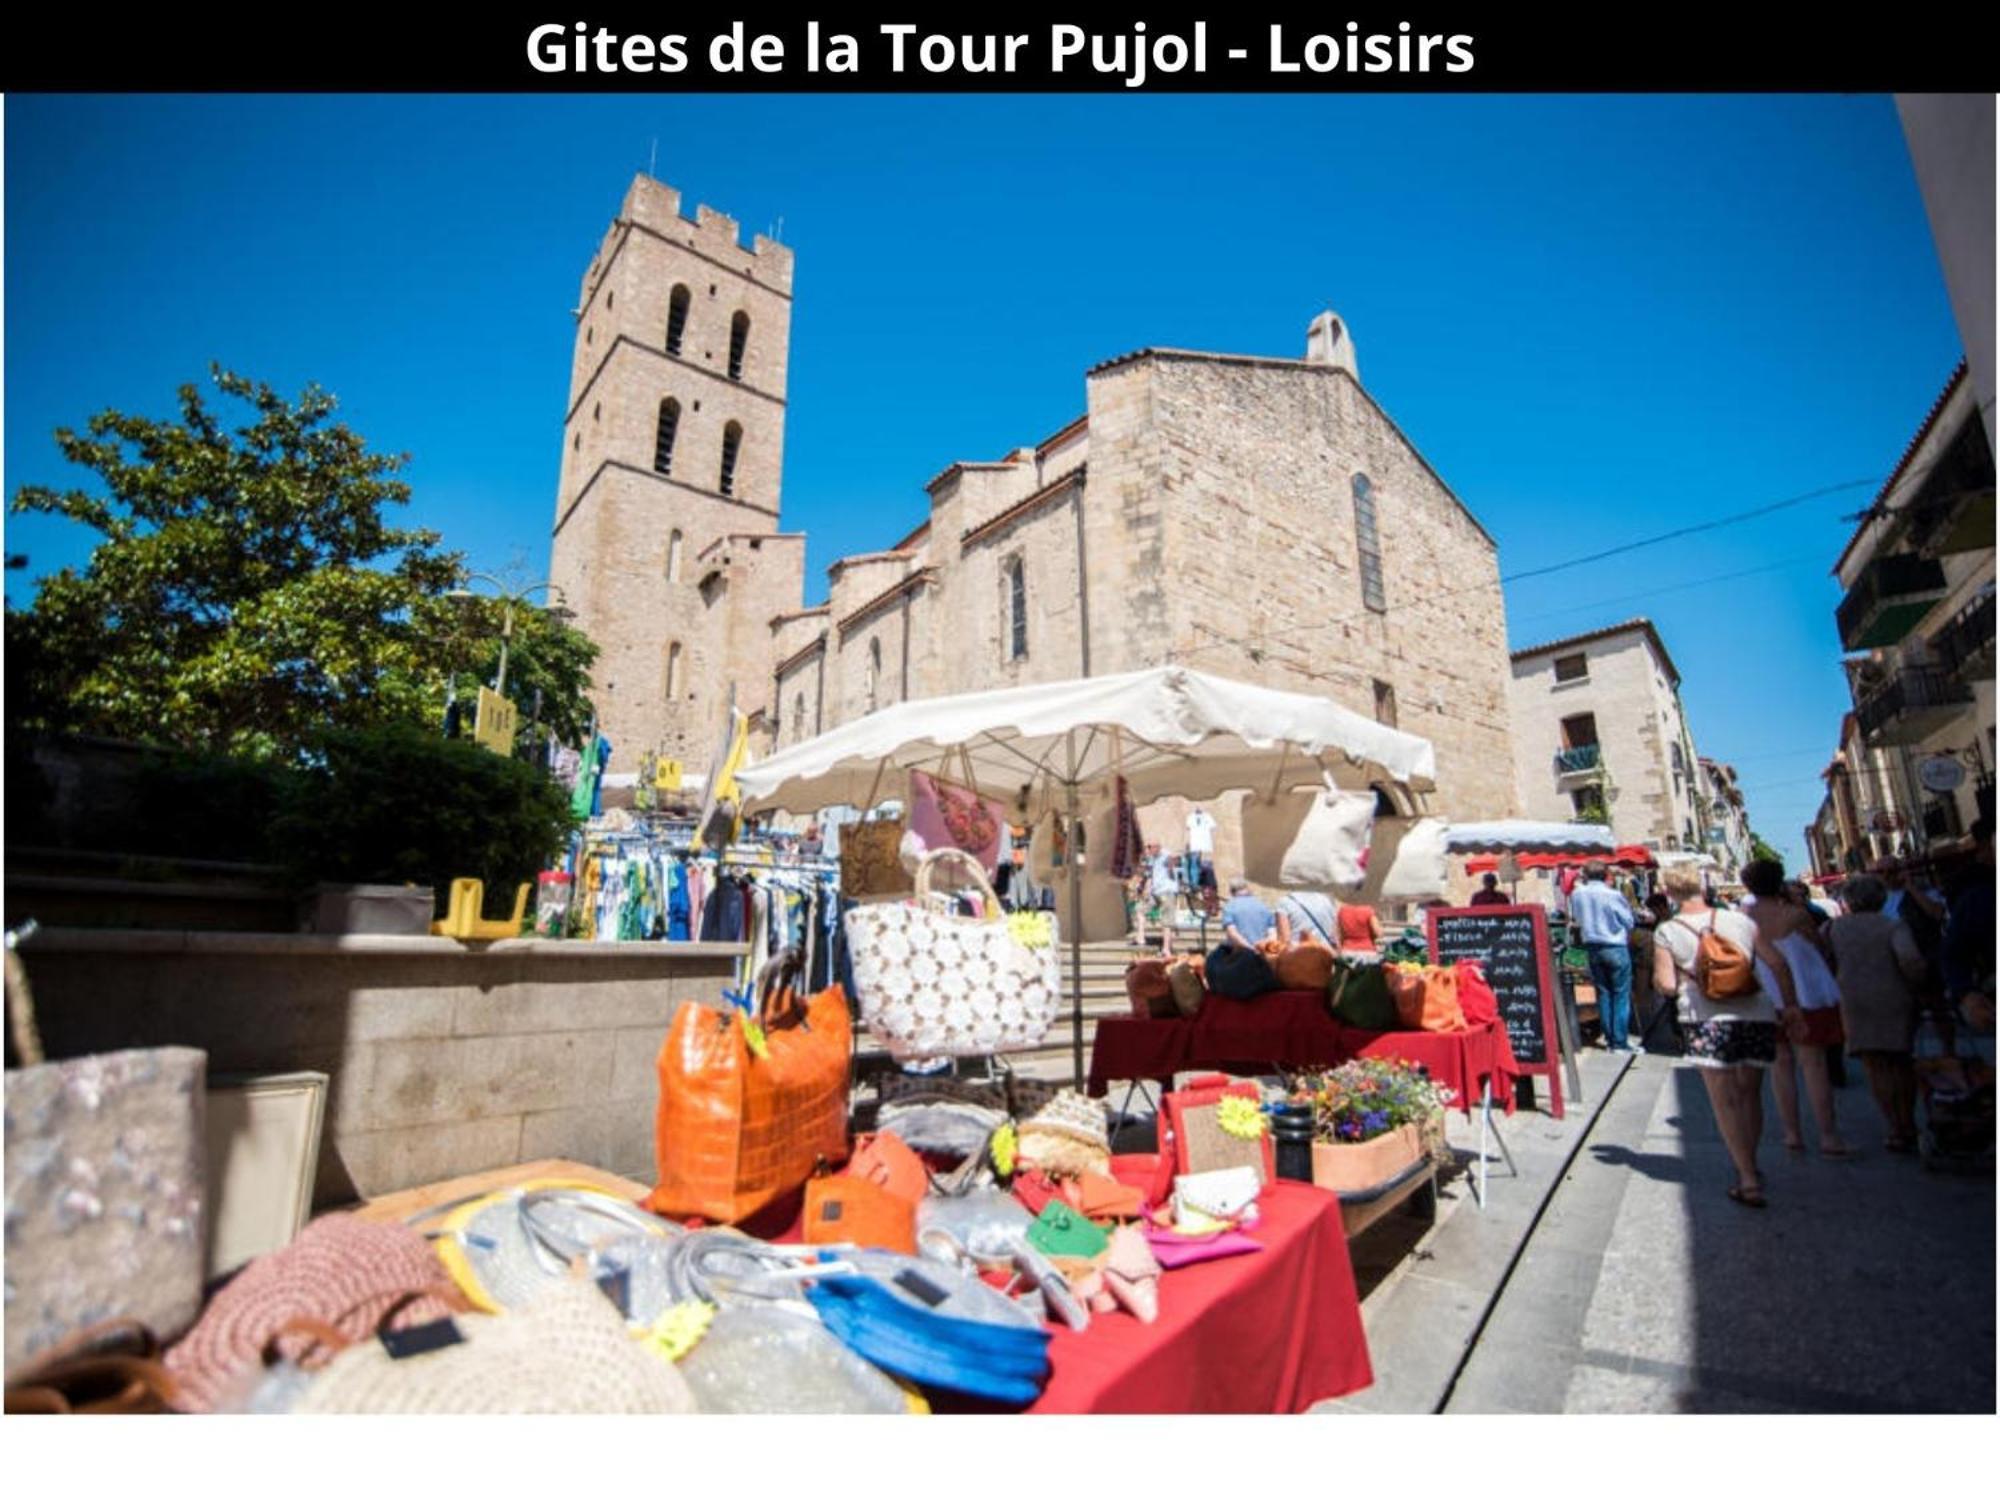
x=934, y=984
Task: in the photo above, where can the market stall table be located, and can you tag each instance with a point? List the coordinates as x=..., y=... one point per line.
x=1273, y=1331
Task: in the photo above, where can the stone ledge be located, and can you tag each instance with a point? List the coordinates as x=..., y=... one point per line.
x=334, y=945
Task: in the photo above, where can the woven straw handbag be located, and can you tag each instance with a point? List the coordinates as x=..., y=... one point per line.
x=934, y=984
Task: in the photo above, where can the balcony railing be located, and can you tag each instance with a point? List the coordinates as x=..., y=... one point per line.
x=1580, y=761
x=1966, y=641
x=1910, y=706
x=1888, y=599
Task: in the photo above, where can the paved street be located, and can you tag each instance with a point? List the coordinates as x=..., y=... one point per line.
x=1867, y=1286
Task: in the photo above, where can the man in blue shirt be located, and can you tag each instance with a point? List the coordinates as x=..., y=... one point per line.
x=1605, y=920
x=1247, y=921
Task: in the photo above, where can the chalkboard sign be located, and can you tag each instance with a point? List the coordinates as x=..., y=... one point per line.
x=1511, y=944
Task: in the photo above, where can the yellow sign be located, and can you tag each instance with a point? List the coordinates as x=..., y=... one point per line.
x=666, y=775
x=495, y=726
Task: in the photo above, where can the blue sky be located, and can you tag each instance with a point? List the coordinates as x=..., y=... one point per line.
x=1599, y=318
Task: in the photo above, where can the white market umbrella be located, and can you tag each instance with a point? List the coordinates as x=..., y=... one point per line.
x=1169, y=731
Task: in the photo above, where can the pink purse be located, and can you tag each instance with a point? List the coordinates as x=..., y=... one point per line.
x=943, y=815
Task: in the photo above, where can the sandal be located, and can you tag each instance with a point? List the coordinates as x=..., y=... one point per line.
x=1842, y=1152
x=1797, y=1148
x=1900, y=1145
x=1748, y=1197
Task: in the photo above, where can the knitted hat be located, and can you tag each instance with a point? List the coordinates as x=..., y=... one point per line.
x=340, y=1270
x=1073, y=1116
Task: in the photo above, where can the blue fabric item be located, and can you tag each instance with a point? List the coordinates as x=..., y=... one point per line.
x=677, y=903
x=1249, y=916
x=1611, y=972
x=993, y=1361
x=1601, y=914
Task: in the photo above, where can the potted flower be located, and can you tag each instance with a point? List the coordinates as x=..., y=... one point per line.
x=1369, y=1120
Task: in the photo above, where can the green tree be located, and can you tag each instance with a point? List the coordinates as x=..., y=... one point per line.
x=249, y=591
x=1761, y=850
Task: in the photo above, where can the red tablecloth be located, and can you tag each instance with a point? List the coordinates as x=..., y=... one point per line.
x=1293, y=1029
x=1460, y=1060
x=1270, y=1332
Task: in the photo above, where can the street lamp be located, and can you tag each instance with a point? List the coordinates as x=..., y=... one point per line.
x=509, y=598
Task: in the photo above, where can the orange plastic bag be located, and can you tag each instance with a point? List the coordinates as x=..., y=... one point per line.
x=734, y=1131
x=1427, y=998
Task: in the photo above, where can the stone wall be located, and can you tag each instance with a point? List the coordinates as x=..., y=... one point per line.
x=444, y=1059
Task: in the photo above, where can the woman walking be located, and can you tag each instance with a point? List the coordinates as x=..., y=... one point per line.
x=1731, y=1041
x=1804, y=1040
x=1881, y=971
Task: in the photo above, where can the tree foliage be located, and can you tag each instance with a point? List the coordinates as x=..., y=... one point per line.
x=1761, y=850
x=249, y=590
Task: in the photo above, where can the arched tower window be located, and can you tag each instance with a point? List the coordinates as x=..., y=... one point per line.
x=1368, y=545
x=739, y=343
x=677, y=318
x=732, y=448
x=672, y=682
x=663, y=436
x=874, y=680
x=674, y=556
x=1017, y=609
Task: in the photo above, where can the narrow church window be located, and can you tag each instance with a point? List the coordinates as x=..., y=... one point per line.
x=798, y=717
x=673, y=680
x=1368, y=545
x=674, y=557
x=663, y=437
x=677, y=318
x=874, y=673
x=610, y=301
x=739, y=341
x=732, y=446
x=1017, y=609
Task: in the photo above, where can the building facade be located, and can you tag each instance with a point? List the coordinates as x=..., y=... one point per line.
x=1257, y=517
x=1600, y=736
x=1916, y=621
x=1725, y=822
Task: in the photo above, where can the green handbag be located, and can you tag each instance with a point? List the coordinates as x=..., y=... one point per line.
x=1360, y=995
x=1061, y=1230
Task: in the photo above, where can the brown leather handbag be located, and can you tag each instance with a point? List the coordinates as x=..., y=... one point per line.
x=110, y=1369
x=735, y=1129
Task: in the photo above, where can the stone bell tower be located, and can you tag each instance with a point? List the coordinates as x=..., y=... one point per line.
x=666, y=544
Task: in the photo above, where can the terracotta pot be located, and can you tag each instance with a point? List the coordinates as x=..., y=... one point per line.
x=1346, y=1168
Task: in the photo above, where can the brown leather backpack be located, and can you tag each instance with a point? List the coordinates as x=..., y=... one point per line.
x=1723, y=971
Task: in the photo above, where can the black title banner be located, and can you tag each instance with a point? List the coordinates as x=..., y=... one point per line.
x=730, y=48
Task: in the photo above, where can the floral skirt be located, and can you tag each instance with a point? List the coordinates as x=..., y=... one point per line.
x=1730, y=1044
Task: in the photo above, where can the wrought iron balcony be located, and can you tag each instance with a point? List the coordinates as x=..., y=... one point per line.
x=1964, y=646
x=1579, y=764
x=1887, y=600
x=1911, y=706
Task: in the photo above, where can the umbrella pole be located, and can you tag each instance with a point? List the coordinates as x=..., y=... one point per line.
x=1075, y=874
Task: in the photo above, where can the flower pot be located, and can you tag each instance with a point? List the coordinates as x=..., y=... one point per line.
x=1346, y=1168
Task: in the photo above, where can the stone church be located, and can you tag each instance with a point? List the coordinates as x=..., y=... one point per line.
x=1252, y=516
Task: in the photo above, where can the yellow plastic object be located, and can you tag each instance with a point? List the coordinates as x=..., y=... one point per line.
x=462, y=919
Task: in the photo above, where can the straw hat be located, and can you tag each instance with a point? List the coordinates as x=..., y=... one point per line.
x=568, y=1351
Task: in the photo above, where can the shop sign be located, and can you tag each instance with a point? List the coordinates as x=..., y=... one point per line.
x=666, y=775
x=1941, y=774
x=494, y=728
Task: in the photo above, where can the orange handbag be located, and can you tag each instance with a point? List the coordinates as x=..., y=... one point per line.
x=886, y=1160
x=849, y=1210
x=736, y=1131
x=1427, y=998
x=1305, y=966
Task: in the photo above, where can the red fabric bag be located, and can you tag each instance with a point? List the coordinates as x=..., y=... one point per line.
x=1475, y=996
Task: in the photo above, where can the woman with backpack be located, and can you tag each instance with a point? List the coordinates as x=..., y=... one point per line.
x=1705, y=959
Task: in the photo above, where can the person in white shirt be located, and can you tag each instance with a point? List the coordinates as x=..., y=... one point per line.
x=1200, y=846
x=1160, y=899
